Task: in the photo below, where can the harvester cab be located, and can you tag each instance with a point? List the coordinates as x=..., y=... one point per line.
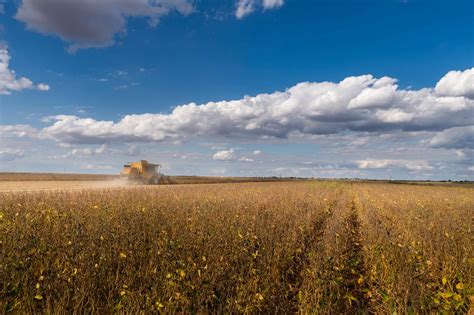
x=142, y=172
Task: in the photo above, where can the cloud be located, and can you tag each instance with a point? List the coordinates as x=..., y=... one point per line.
x=387, y=163
x=133, y=150
x=82, y=152
x=354, y=104
x=257, y=152
x=224, y=155
x=86, y=152
x=454, y=138
x=246, y=7
x=8, y=154
x=382, y=93
x=464, y=157
x=86, y=23
x=43, y=87
x=18, y=131
x=64, y=145
x=97, y=167
x=8, y=80
x=271, y=4
x=460, y=154
x=102, y=149
x=457, y=83
x=245, y=159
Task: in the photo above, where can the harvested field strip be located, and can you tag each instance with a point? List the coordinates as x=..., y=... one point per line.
x=41, y=178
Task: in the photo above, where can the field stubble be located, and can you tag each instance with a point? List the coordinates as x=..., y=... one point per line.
x=327, y=247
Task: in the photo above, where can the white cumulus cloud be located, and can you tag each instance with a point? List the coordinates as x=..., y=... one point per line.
x=457, y=83
x=306, y=109
x=224, y=155
x=8, y=80
x=375, y=96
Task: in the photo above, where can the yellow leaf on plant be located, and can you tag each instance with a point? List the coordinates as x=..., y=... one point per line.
x=444, y=280
x=460, y=286
x=123, y=255
x=38, y=297
x=446, y=295
x=259, y=296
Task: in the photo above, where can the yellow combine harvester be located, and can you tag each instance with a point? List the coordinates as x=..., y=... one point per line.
x=142, y=172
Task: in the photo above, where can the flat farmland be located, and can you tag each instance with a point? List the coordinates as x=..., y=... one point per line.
x=263, y=247
x=29, y=182
x=30, y=186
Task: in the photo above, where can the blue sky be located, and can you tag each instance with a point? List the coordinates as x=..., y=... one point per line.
x=208, y=51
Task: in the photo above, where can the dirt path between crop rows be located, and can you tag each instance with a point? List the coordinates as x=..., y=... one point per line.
x=354, y=273
x=336, y=278
x=287, y=298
